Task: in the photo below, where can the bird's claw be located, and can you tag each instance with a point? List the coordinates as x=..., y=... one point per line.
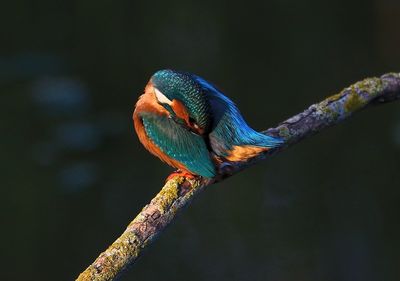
x=179, y=173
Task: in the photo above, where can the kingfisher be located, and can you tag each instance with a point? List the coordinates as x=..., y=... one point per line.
x=192, y=126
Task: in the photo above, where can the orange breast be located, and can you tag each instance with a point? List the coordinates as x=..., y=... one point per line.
x=148, y=103
x=244, y=152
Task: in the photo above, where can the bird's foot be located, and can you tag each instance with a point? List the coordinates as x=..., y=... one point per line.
x=180, y=173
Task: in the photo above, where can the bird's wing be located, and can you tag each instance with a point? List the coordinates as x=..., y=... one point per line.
x=230, y=133
x=180, y=144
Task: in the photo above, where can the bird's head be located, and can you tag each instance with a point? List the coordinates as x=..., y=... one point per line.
x=183, y=97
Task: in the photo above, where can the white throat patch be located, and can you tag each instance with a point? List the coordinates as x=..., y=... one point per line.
x=161, y=97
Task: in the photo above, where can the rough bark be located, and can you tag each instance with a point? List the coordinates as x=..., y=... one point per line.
x=178, y=192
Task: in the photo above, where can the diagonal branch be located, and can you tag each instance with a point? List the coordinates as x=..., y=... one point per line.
x=178, y=192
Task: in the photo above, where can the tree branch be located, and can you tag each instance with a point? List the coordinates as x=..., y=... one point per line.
x=178, y=192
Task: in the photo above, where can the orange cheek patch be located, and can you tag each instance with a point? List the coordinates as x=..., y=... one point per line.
x=180, y=110
x=242, y=153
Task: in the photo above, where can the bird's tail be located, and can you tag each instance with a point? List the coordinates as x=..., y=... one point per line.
x=260, y=139
x=253, y=146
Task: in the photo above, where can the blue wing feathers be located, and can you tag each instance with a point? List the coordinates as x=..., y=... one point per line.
x=229, y=128
x=180, y=144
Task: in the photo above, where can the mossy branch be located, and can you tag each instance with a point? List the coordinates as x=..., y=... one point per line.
x=178, y=192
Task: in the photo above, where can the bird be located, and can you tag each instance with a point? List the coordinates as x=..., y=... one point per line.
x=192, y=126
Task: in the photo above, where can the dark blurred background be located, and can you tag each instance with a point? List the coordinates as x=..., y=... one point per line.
x=74, y=173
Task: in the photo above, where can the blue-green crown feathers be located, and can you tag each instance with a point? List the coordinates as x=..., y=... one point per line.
x=181, y=86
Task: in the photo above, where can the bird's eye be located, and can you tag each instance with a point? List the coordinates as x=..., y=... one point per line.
x=193, y=123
